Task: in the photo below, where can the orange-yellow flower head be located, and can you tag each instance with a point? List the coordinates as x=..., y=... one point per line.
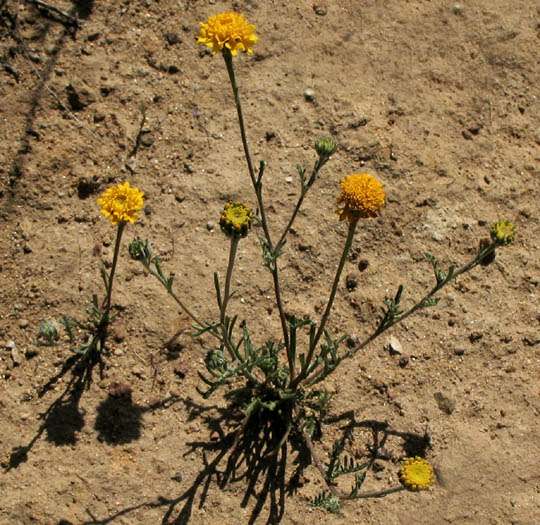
x=236, y=219
x=230, y=30
x=121, y=203
x=362, y=196
x=416, y=474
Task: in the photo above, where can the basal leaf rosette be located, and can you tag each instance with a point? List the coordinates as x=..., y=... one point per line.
x=230, y=30
x=416, y=474
x=236, y=219
x=121, y=203
x=362, y=196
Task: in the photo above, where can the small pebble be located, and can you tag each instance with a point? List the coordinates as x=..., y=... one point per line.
x=147, y=139
x=23, y=323
x=445, y=403
x=309, y=95
x=363, y=264
x=403, y=361
x=393, y=345
x=31, y=352
x=16, y=356
x=210, y=225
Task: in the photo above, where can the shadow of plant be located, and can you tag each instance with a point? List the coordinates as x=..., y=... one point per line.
x=253, y=459
x=119, y=419
x=63, y=418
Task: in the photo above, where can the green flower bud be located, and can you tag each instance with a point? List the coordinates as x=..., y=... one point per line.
x=140, y=250
x=216, y=360
x=325, y=147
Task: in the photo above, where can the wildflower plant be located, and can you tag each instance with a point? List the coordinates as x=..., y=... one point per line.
x=120, y=204
x=284, y=376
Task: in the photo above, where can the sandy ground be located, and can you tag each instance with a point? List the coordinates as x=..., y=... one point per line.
x=437, y=99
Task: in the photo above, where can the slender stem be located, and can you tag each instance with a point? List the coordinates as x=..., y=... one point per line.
x=336, y=492
x=317, y=375
x=257, y=186
x=313, y=345
x=176, y=298
x=230, y=70
x=235, y=239
x=281, y=241
x=282, y=316
x=305, y=187
x=119, y=232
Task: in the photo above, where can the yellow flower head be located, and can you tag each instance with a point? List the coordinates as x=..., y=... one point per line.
x=230, y=30
x=416, y=474
x=236, y=219
x=362, y=195
x=503, y=232
x=121, y=203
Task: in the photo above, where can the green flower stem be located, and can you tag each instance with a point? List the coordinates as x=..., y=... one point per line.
x=305, y=187
x=320, y=331
x=332, y=487
x=235, y=239
x=119, y=231
x=230, y=70
x=175, y=297
x=465, y=268
x=375, y=493
x=257, y=186
x=318, y=374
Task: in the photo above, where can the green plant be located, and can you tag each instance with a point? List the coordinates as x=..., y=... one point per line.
x=120, y=205
x=281, y=375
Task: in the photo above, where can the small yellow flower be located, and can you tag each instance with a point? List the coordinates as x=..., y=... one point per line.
x=230, y=30
x=503, y=232
x=416, y=474
x=121, y=203
x=362, y=195
x=236, y=219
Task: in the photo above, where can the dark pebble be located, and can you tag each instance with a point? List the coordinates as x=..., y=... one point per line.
x=446, y=404
x=363, y=264
x=403, y=361
x=351, y=283
x=172, y=38
x=475, y=336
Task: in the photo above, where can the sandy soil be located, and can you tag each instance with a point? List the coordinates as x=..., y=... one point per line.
x=438, y=99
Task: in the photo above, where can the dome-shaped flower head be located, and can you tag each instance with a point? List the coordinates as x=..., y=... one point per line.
x=362, y=196
x=121, y=203
x=416, y=474
x=230, y=30
x=236, y=219
x=503, y=232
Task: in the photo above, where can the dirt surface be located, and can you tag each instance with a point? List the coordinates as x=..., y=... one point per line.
x=437, y=99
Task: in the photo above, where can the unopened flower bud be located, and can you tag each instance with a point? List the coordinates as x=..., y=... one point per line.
x=325, y=147
x=140, y=250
